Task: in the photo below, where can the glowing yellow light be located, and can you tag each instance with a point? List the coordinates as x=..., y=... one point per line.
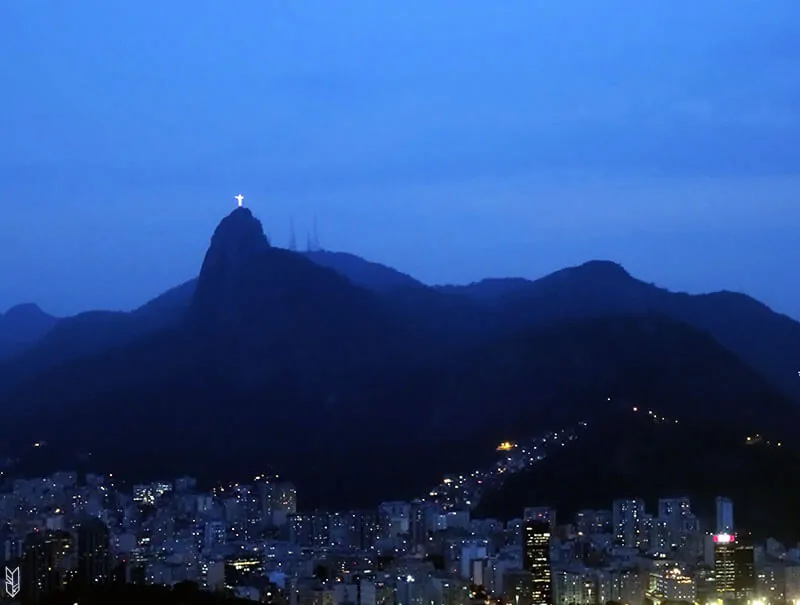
x=506, y=446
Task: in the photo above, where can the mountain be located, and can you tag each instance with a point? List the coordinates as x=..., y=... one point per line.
x=353, y=438
x=271, y=360
x=450, y=319
x=270, y=309
x=22, y=326
x=625, y=454
x=559, y=374
x=365, y=274
x=91, y=333
x=768, y=341
x=464, y=315
x=265, y=327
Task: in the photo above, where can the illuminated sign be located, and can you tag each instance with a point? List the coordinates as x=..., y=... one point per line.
x=723, y=538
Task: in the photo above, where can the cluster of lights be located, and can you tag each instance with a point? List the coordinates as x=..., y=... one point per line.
x=461, y=489
x=753, y=440
x=656, y=417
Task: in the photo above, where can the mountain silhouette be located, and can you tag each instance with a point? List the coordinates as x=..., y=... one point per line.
x=22, y=326
x=768, y=341
x=259, y=318
x=259, y=309
x=91, y=333
x=371, y=276
x=361, y=390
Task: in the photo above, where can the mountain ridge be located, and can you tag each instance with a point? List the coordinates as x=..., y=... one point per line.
x=768, y=340
x=276, y=360
x=22, y=326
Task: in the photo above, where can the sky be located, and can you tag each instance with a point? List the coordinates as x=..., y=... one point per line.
x=451, y=139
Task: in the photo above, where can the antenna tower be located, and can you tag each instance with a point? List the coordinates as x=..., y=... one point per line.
x=292, y=240
x=315, y=237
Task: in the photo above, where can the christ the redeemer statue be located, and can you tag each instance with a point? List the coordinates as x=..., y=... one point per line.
x=239, y=199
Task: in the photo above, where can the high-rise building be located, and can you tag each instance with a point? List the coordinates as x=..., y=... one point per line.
x=669, y=583
x=43, y=569
x=724, y=515
x=300, y=530
x=518, y=587
x=362, y=528
x=629, y=522
x=745, y=579
x=593, y=521
x=725, y=565
x=670, y=509
x=94, y=561
x=574, y=586
x=418, y=524
x=536, y=560
x=676, y=514
x=214, y=534
x=278, y=501
x=472, y=551
x=622, y=585
x=394, y=518
x=11, y=547
x=321, y=529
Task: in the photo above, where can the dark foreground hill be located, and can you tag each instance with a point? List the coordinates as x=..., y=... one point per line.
x=182, y=594
x=625, y=454
x=353, y=439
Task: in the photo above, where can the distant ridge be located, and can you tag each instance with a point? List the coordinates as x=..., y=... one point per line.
x=22, y=326
x=363, y=273
x=768, y=341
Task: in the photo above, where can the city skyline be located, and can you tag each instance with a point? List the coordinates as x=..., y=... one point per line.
x=252, y=540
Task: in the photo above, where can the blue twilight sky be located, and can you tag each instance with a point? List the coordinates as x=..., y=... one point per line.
x=451, y=139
